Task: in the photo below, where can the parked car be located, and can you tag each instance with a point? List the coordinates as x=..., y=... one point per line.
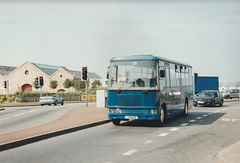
x=209, y=98
x=51, y=98
x=233, y=93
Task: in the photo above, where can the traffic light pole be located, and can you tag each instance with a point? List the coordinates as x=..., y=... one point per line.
x=8, y=91
x=86, y=93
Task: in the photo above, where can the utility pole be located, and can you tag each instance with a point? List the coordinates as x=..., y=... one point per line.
x=86, y=93
x=8, y=91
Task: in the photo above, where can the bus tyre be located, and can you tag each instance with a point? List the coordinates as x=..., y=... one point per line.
x=116, y=122
x=185, y=109
x=162, y=116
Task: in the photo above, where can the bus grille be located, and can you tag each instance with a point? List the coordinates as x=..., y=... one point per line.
x=130, y=100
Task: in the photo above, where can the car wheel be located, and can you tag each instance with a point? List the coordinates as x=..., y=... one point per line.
x=49, y=104
x=62, y=102
x=55, y=103
x=221, y=103
x=213, y=103
x=41, y=104
x=116, y=122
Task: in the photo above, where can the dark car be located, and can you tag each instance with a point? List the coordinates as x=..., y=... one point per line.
x=208, y=98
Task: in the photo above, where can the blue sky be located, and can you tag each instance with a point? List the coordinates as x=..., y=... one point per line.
x=205, y=34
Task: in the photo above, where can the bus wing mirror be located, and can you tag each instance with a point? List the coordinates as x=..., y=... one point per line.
x=196, y=77
x=162, y=73
x=108, y=72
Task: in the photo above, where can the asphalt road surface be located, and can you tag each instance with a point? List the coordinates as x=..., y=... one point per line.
x=16, y=118
x=196, y=138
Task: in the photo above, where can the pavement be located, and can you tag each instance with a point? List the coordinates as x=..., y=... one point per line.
x=82, y=118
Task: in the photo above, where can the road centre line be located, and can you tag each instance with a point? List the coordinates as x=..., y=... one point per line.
x=4, y=119
x=210, y=113
x=32, y=111
x=148, y=142
x=163, y=134
x=174, y=129
x=191, y=121
x=199, y=118
x=128, y=153
x=184, y=124
x=205, y=115
x=19, y=115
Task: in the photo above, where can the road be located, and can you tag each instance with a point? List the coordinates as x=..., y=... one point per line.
x=16, y=118
x=196, y=138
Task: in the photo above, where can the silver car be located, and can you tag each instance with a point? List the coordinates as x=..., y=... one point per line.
x=51, y=98
x=233, y=93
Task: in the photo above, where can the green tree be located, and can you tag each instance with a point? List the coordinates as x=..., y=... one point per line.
x=96, y=83
x=78, y=85
x=68, y=83
x=53, y=84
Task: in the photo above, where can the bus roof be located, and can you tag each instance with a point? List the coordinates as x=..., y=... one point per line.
x=146, y=58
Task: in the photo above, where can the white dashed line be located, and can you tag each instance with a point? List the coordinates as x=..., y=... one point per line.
x=225, y=119
x=32, y=111
x=163, y=134
x=130, y=152
x=148, y=142
x=174, y=129
x=199, y=118
x=184, y=124
x=191, y=121
x=210, y=113
x=205, y=115
x=4, y=119
x=19, y=115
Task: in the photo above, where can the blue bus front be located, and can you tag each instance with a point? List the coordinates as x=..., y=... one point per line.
x=133, y=90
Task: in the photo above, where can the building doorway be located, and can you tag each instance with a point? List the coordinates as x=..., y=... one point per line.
x=27, y=88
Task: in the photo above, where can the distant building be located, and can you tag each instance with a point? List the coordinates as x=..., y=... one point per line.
x=22, y=78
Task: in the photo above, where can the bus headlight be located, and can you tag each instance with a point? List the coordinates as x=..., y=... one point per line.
x=152, y=111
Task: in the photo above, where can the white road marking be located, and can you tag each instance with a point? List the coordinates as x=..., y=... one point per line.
x=184, y=124
x=4, y=119
x=225, y=119
x=32, y=111
x=191, y=121
x=235, y=120
x=205, y=115
x=19, y=114
x=210, y=113
x=174, y=129
x=148, y=142
x=199, y=118
x=130, y=152
x=163, y=134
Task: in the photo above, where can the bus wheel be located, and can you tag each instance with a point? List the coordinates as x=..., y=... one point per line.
x=162, y=115
x=116, y=122
x=185, y=109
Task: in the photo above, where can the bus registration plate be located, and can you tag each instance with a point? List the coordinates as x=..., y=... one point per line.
x=131, y=117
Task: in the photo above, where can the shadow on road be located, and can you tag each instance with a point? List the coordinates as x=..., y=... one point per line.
x=193, y=118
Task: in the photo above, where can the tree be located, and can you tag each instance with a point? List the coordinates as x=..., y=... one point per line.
x=53, y=84
x=78, y=84
x=96, y=83
x=68, y=83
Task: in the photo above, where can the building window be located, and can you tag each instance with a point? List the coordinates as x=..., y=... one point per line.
x=61, y=76
x=26, y=72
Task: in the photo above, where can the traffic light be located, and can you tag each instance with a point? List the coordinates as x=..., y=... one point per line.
x=41, y=82
x=84, y=73
x=5, y=84
x=36, y=81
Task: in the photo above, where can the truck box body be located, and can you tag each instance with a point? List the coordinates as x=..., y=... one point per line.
x=206, y=83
